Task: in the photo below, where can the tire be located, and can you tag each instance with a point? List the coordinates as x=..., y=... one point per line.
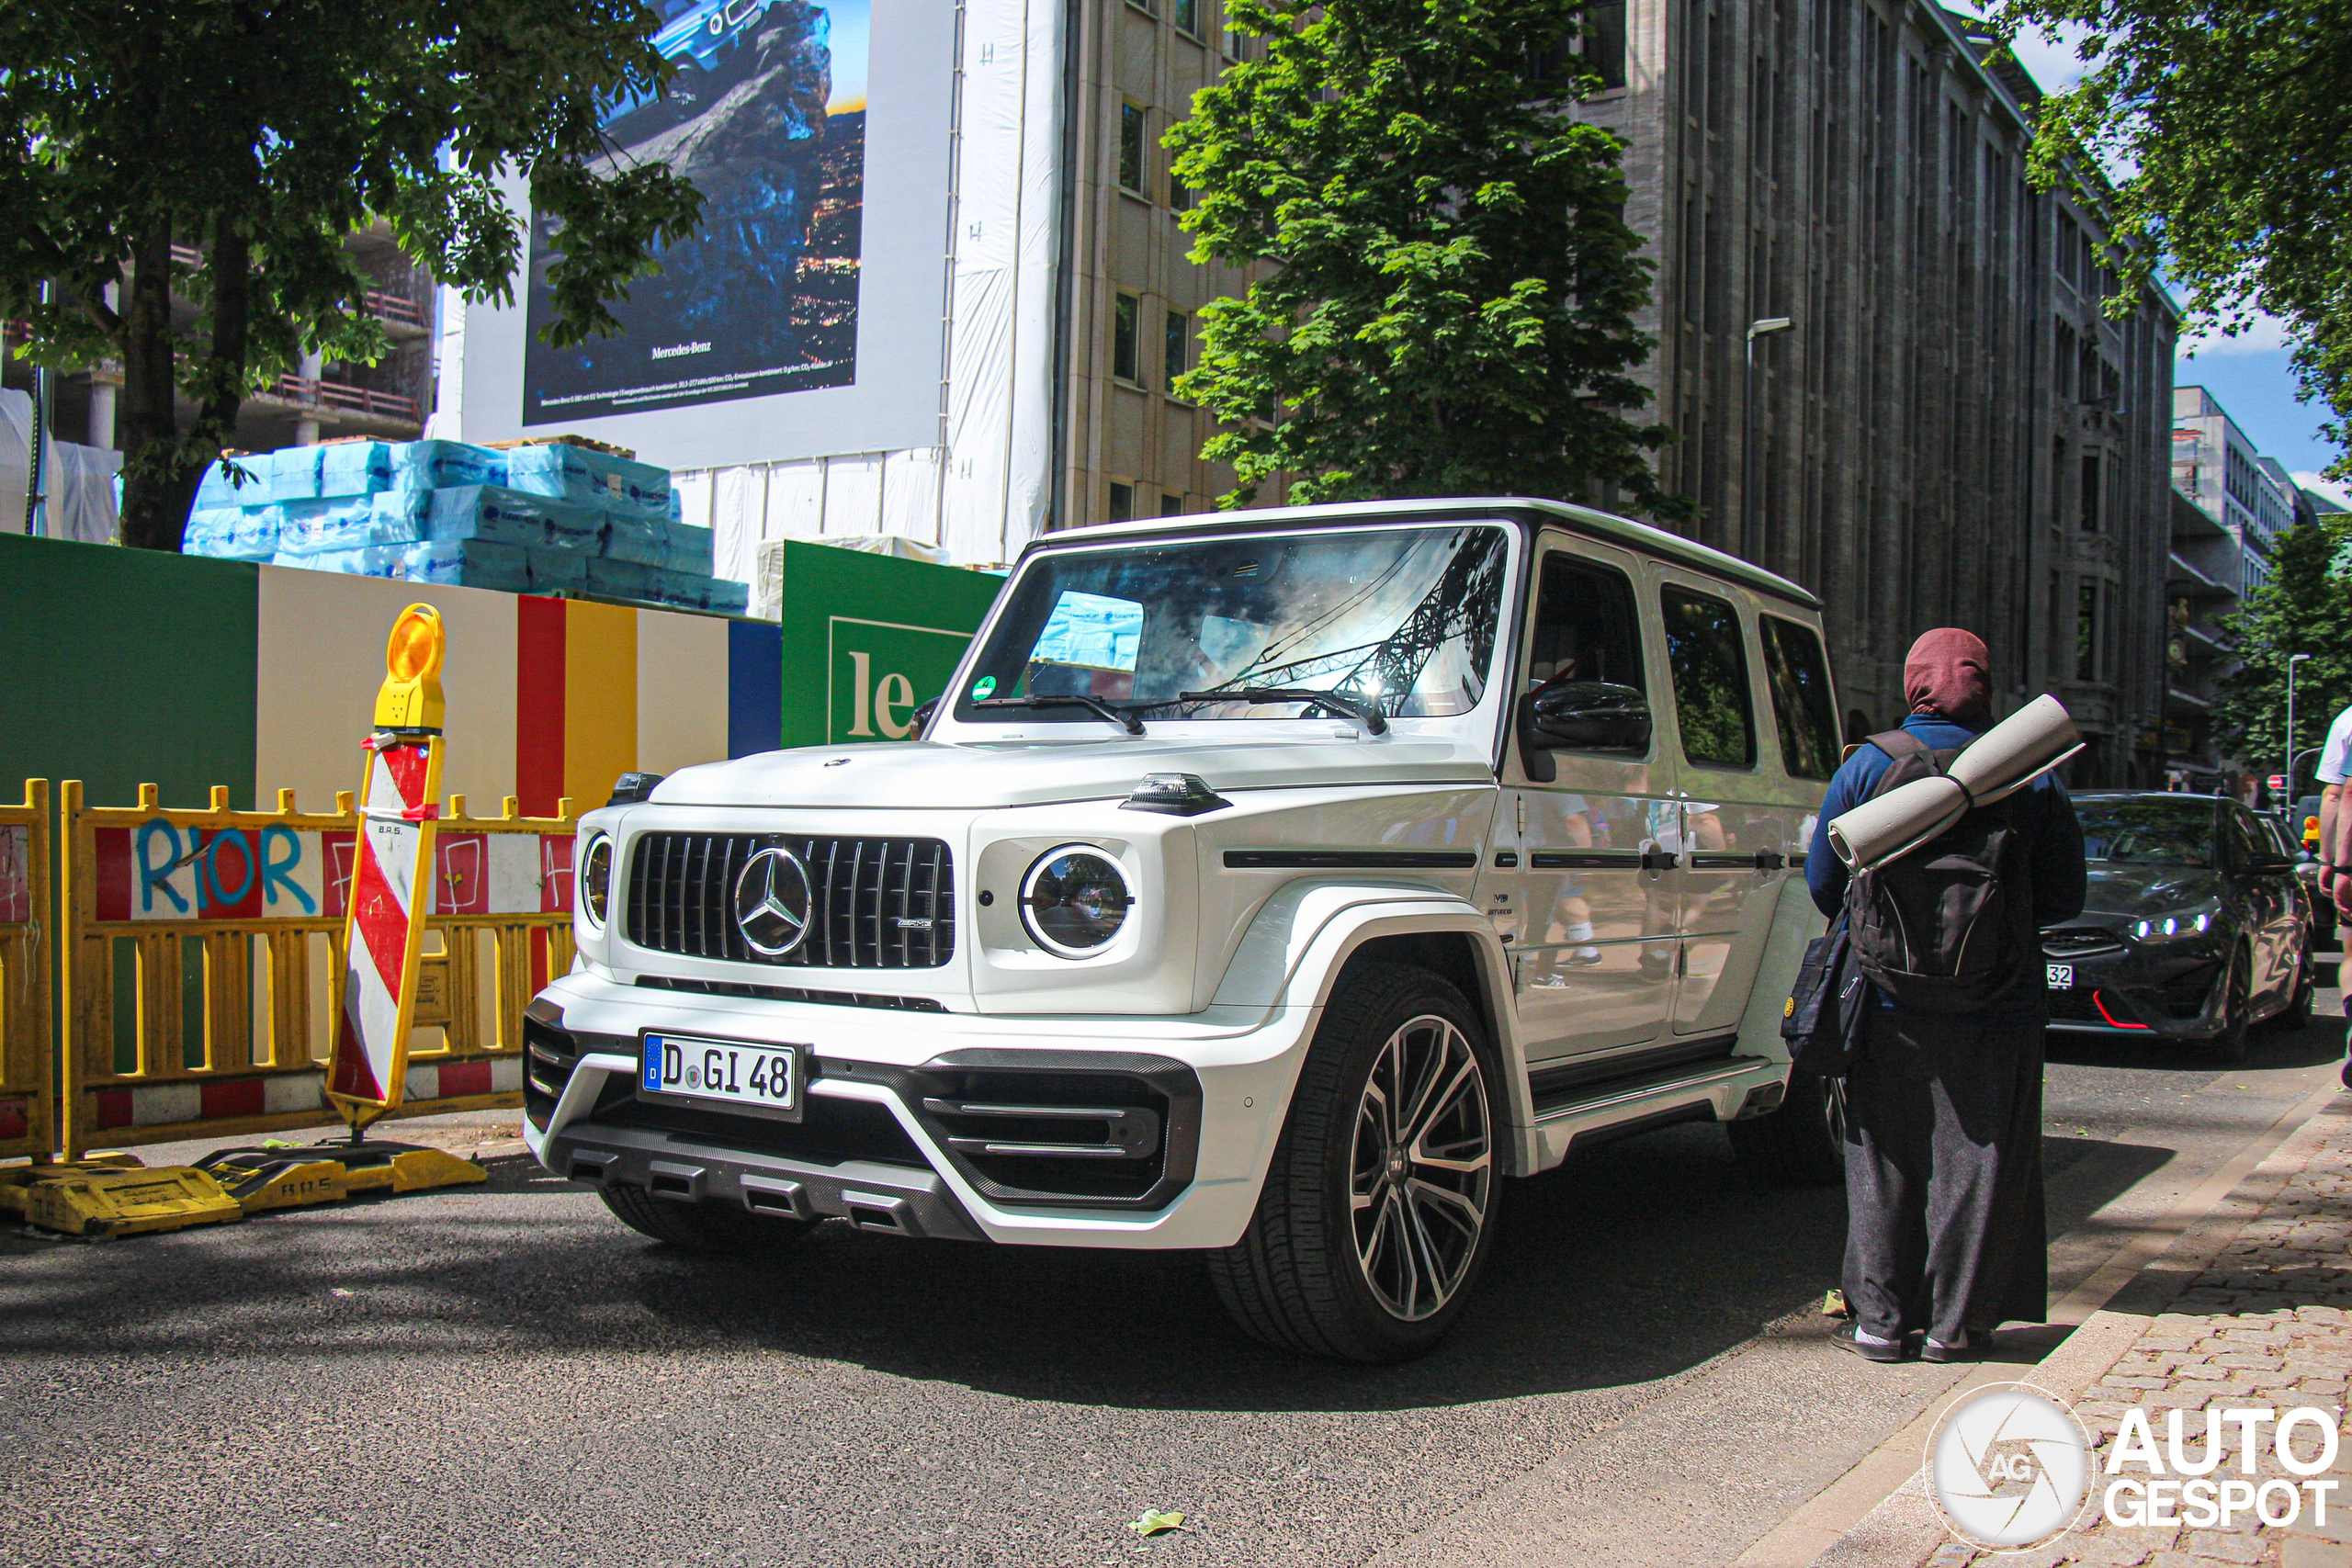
x=2237, y=1002
x=1368, y=1237
x=1804, y=1142
x=701, y=1228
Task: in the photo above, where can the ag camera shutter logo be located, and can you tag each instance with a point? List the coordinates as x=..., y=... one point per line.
x=2009, y=1467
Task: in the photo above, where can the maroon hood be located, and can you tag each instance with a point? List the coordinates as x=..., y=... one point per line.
x=1948, y=673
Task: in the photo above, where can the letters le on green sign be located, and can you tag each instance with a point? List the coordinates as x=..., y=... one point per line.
x=869, y=638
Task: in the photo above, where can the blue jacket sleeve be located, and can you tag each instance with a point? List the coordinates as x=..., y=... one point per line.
x=1825, y=873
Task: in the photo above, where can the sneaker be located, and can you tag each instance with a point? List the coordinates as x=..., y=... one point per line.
x=1850, y=1338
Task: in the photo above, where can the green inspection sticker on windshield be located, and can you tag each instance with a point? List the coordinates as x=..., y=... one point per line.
x=983, y=688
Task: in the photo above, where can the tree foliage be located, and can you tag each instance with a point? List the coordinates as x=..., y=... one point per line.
x=2305, y=607
x=257, y=134
x=2231, y=120
x=1452, y=306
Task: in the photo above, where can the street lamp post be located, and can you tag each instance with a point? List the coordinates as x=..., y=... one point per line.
x=2290, y=775
x=1751, y=535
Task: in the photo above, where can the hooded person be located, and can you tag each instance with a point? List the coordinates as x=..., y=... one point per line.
x=1946, y=1237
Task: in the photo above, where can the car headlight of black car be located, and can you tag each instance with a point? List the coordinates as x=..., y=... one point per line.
x=2185, y=925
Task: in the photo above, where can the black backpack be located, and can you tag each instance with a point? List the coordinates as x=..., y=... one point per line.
x=1949, y=926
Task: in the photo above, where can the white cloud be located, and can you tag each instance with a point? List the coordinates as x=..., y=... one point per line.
x=2328, y=488
x=2264, y=334
x=2054, y=67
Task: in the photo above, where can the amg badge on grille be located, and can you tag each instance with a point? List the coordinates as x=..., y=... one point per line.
x=771, y=901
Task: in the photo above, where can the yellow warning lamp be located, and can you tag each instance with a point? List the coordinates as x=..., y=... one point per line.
x=410, y=698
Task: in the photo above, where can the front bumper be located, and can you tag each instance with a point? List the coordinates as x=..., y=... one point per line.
x=879, y=1140
x=2128, y=992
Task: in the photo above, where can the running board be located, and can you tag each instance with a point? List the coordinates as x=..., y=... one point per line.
x=1565, y=1085
x=1613, y=1092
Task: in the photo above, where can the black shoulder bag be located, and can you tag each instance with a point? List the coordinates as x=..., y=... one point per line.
x=1823, y=1020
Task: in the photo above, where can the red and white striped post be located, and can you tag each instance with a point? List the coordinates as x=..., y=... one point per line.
x=391, y=880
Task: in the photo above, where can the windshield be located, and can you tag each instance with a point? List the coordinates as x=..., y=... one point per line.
x=2149, y=832
x=1400, y=622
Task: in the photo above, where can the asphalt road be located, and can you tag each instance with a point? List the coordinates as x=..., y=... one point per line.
x=506, y=1376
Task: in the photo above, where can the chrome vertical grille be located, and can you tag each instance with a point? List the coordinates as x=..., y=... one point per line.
x=876, y=903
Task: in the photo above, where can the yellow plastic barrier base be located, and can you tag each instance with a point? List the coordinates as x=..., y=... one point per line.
x=14, y=1179
x=267, y=1179
x=116, y=1202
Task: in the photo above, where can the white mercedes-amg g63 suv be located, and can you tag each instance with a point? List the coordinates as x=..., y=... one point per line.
x=1270, y=883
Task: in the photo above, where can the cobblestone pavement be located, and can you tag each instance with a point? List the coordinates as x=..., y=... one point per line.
x=2267, y=1324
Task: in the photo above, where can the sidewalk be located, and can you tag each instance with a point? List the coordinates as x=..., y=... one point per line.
x=2258, y=1313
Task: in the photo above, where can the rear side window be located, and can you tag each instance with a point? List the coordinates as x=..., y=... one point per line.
x=1799, y=677
x=1710, y=664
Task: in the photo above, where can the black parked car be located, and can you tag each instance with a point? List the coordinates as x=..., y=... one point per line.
x=2196, y=928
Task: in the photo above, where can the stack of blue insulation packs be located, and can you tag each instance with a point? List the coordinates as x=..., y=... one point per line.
x=541, y=519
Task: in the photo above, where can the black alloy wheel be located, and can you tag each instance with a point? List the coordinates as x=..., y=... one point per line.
x=1379, y=1207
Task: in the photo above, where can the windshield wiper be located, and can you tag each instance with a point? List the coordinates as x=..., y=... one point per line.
x=1092, y=705
x=1363, y=714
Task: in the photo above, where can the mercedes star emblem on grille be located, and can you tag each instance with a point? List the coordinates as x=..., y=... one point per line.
x=771, y=901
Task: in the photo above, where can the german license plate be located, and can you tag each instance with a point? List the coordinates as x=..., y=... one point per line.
x=2062, y=976
x=730, y=1072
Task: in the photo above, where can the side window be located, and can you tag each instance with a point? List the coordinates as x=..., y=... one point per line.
x=1585, y=626
x=1710, y=665
x=1799, y=677
x=1586, y=689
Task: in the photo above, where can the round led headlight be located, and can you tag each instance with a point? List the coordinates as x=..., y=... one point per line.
x=1074, y=901
x=596, y=879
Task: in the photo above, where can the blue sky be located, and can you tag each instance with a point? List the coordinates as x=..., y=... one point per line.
x=852, y=30
x=2247, y=375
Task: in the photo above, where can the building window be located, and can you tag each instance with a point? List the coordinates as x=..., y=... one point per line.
x=1123, y=503
x=2090, y=497
x=1604, y=43
x=1148, y=7
x=1172, y=506
x=1123, y=340
x=2086, y=631
x=1188, y=15
x=1178, y=349
x=1131, y=148
x=1180, y=195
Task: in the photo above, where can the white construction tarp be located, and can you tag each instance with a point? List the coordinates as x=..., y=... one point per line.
x=81, y=480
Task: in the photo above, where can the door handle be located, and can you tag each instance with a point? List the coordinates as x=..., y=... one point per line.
x=1658, y=860
x=1770, y=860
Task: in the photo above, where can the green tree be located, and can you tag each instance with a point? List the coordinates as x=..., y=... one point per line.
x=2233, y=124
x=2305, y=607
x=1452, y=306
x=255, y=135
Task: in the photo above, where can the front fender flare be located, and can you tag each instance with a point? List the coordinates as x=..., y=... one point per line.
x=1301, y=940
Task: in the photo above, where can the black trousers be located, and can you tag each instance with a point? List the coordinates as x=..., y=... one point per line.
x=1944, y=1228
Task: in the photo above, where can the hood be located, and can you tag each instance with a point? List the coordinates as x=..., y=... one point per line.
x=2145, y=892
x=921, y=774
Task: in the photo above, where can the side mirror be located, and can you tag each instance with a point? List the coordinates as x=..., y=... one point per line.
x=921, y=716
x=1587, y=716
